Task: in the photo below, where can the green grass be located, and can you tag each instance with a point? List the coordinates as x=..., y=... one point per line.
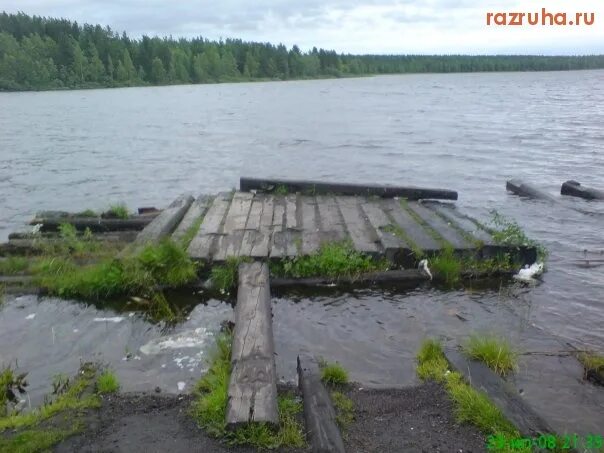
x=107, y=382
x=497, y=353
x=281, y=189
x=471, y=406
x=225, y=277
x=118, y=211
x=32, y=441
x=592, y=363
x=14, y=265
x=333, y=374
x=209, y=408
x=344, y=408
x=508, y=232
x=333, y=260
x=447, y=266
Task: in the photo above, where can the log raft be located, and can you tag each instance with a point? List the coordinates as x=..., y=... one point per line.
x=575, y=189
x=523, y=189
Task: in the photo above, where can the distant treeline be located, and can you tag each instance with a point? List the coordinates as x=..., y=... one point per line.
x=44, y=53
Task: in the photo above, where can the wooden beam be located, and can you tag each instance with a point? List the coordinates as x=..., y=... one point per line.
x=165, y=222
x=201, y=247
x=523, y=189
x=396, y=276
x=252, y=394
x=319, y=414
x=575, y=189
x=195, y=212
x=316, y=188
x=501, y=393
x=95, y=224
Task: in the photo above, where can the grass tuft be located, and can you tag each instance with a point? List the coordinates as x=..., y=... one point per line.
x=225, y=277
x=508, y=232
x=336, y=259
x=344, y=409
x=593, y=365
x=447, y=266
x=334, y=374
x=495, y=352
x=107, y=382
x=118, y=211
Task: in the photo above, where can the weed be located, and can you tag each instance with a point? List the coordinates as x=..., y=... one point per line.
x=496, y=353
x=333, y=374
x=281, y=189
x=118, y=211
x=508, y=232
x=30, y=441
x=336, y=259
x=11, y=385
x=344, y=409
x=593, y=365
x=224, y=277
x=447, y=266
x=471, y=406
x=14, y=265
x=107, y=382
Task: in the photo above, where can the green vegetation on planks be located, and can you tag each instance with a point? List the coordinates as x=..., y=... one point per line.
x=508, y=232
x=117, y=211
x=333, y=260
x=13, y=265
x=48, y=53
x=209, y=408
x=497, y=353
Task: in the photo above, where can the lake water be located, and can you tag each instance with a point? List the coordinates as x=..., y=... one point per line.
x=469, y=132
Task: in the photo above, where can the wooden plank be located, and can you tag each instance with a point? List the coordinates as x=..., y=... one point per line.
x=446, y=231
x=523, y=189
x=380, y=221
x=413, y=231
x=279, y=235
x=201, y=247
x=501, y=393
x=319, y=414
x=291, y=221
x=95, y=224
x=195, y=212
x=362, y=235
x=262, y=240
x=311, y=240
x=252, y=393
x=331, y=223
x=575, y=189
x=229, y=242
x=319, y=188
x=252, y=228
x=461, y=221
x=162, y=225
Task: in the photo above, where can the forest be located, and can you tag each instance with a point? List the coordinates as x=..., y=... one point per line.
x=39, y=53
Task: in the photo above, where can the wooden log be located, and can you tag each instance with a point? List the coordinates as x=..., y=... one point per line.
x=361, y=233
x=317, y=188
x=95, y=224
x=252, y=394
x=229, y=243
x=526, y=190
x=575, y=189
x=380, y=221
x=202, y=245
x=412, y=230
x=442, y=227
x=501, y=393
x=165, y=222
x=395, y=276
x=195, y=212
x=319, y=414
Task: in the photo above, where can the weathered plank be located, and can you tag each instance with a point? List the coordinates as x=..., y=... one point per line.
x=331, y=223
x=95, y=224
x=292, y=235
x=319, y=414
x=442, y=227
x=162, y=225
x=501, y=393
x=391, y=244
x=311, y=240
x=229, y=242
x=252, y=228
x=318, y=188
x=452, y=215
x=526, y=190
x=252, y=394
x=362, y=235
x=262, y=240
x=201, y=247
x=291, y=221
x=575, y=189
x=413, y=231
x=195, y=212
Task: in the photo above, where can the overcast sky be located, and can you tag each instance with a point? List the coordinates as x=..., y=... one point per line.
x=356, y=26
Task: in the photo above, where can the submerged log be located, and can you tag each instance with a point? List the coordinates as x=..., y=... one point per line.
x=95, y=224
x=317, y=188
x=395, y=276
x=252, y=394
x=501, y=393
x=319, y=414
x=523, y=189
x=575, y=189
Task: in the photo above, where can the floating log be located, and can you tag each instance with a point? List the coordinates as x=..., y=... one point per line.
x=396, y=276
x=253, y=385
x=109, y=236
x=501, y=393
x=95, y=224
x=319, y=414
x=317, y=188
x=575, y=189
x=526, y=190
x=165, y=222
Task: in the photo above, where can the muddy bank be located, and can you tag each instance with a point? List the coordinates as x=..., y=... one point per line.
x=413, y=419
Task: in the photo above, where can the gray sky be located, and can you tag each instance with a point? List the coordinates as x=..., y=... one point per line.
x=356, y=26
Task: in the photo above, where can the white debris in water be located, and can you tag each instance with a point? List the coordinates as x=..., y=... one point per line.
x=76, y=330
x=115, y=319
x=187, y=339
x=32, y=316
x=423, y=266
x=163, y=365
x=130, y=315
x=528, y=273
x=181, y=386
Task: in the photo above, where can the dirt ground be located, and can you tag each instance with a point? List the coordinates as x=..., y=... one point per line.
x=418, y=419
